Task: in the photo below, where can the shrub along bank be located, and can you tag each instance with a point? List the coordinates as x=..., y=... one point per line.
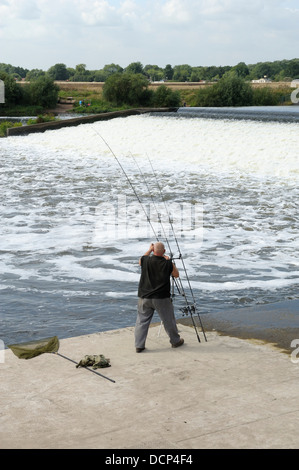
x=232, y=90
x=6, y=125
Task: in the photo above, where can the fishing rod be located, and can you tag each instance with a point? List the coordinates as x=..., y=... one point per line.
x=189, y=308
x=129, y=181
x=180, y=289
x=174, y=280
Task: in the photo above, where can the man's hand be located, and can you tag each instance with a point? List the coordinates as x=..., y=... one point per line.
x=150, y=250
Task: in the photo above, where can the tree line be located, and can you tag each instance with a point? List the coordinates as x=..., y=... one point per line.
x=132, y=89
x=280, y=70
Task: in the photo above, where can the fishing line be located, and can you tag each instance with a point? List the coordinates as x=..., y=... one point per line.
x=131, y=184
x=153, y=201
x=172, y=228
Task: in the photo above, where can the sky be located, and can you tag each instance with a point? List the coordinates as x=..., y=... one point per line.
x=42, y=33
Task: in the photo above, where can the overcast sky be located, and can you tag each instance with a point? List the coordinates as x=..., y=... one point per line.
x=42, y=33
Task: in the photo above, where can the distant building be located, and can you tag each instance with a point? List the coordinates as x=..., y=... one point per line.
x=262, y=80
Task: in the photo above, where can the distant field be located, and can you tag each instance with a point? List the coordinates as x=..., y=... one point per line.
x=98, y=86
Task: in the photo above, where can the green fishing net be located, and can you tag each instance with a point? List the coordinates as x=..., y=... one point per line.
x=35, y=348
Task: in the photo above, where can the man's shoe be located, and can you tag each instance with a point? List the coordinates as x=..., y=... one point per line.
x=139, y=350
x=177, y=345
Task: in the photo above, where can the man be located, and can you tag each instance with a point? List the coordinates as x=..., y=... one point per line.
x=154, y=294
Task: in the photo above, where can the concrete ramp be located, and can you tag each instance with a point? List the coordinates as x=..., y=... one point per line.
x=227, y=393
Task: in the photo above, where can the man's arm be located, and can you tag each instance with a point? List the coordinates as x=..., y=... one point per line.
x=175, y=271
x=151, y=248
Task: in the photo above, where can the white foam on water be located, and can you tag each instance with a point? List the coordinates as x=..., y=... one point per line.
x=264, y=149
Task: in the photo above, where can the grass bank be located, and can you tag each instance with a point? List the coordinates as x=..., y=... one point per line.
x=91, y=95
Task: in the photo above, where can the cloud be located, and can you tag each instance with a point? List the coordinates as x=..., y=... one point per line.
x=40, y=33
x=19, y=9
x=175, y=12
x=96, y=12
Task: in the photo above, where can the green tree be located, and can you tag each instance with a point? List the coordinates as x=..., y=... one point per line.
x=241, y=69
x=262, y=69
x=43, y=92
x=81, y=74
x=58, y=72
x=99, y=76
x=231, y=90
x=135, y=67
x=182, y=73
x=34, y=74
x=293, y=68
x=21, y=71
x=213, y=73
x=71, y=72
x=168, y=72
x=165, y=97
x=280, y=77
x=126, y=88
x=109, y=69
x=154, y=73
x=197, y=74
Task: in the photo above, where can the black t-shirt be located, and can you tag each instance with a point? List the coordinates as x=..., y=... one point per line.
x=155, y=277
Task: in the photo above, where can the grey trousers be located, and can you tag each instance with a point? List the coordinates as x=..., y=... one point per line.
x=145, y=312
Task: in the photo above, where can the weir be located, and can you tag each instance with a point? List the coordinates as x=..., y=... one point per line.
x=45, y=126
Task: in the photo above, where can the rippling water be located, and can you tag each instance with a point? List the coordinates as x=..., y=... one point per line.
x=72, y=229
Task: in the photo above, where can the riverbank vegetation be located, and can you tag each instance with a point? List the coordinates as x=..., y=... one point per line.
x=232, y=90
x=127, y=90
x=4, y=125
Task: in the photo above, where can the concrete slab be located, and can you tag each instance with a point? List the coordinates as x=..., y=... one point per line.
x=227, y=393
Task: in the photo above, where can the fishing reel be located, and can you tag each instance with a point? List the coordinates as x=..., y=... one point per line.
x=175, y=257
x=189, y=309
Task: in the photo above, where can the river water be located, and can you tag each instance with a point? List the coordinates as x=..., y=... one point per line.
x=79, y=205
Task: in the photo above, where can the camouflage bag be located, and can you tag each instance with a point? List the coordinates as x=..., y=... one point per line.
x=94, y=361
